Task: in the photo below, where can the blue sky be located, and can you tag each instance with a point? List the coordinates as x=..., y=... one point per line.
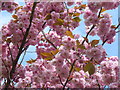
x=111, y=49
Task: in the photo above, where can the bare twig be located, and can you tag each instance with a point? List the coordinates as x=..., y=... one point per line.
x=99, y=12
x=18, y=46
x=25, y=48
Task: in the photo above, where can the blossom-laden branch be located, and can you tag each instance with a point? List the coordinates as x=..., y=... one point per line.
x=93, y=26
x=39, y=73
x=21, y=48
x=48, y=40
x=72, y=66
x=68, y=78
x=116, y=32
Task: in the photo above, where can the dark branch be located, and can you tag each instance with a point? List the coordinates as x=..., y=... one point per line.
x=116, y=32
x=98, y=84
x=92, y=27
x=21, y=47
x=60, y=80
x=10, y=52
x=48, y=40
x=68, y=78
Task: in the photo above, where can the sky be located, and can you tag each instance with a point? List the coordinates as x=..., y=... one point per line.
x=111, y=49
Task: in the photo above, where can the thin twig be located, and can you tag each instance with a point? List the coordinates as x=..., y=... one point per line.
x=60, y=80
x=48, y=40
x=25, y=48
x=18, y=46
x=10, y=52
x=72, y=66
x=104, y=42
x=5, y=65
x=116, y=32
x=100, y=12
x=22, y=59
x=91, y=27
x=68, y=61
x=117, y=26
x=88, y=34
x=98, y=84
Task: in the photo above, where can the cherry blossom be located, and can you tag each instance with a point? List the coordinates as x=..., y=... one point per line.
x=64, y=59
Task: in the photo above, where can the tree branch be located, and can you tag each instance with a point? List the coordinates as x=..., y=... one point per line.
x=98, y=84
x=22, y=59
x=21, y=47
x=5, y=66
x=117, y=26
x=92, y=27
x=10, y=52
x=116, y=32
x=60, y=80
x=72, y=66
x=48, y=40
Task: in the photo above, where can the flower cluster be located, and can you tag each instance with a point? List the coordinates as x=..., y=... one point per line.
x=104, y=28
x=9, y=6
x=96, y=53
x=90, y=17
x=63, y=59
x=94, y=6
x=47, y=73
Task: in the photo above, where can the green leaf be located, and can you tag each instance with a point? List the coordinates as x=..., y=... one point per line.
x=69, y=33
x=76, y=19
x=103, y=9
x=54, y=52
x=86, y=39
x=77, y=42
x=90, y=68
x=77, y=69
x=8, y=40
x=48, y=58
x=83, y=6
x=49, y=55
x=15, y=16
x=76, y=14
x=46, y=54
x=113, y=26
x=31, y=61
x=94, y=42
x=81, y=46
x=70, y=14
x=59, y=22
x=48, y=17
